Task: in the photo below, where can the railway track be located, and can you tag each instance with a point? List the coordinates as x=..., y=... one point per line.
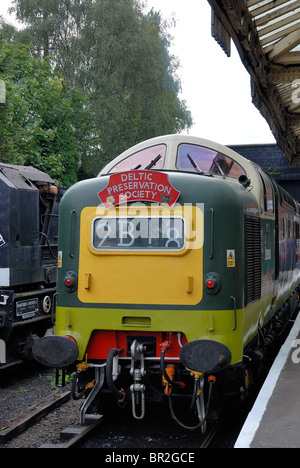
x=54, y=420
x=76, y=435
x=120, y=431
x=32, y=415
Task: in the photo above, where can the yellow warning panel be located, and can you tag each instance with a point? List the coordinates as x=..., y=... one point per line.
x=231, y=258
x=59, y=259
x=118, y=274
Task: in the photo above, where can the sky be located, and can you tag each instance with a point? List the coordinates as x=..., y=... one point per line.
x=216, y=88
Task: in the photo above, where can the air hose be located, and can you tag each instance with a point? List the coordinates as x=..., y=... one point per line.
x=77, y=391
x=164, y=347
x=194, y=397
x=118, y=394
x=163, y=370
x=192, y=428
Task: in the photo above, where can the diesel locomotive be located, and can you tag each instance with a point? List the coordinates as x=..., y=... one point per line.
x=179, y=268
x=29, y=201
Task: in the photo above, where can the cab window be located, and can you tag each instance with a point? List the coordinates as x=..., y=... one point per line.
x=267, y=200
x=148, y=158
x=194, y=158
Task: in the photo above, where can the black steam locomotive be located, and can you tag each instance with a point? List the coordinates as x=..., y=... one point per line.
x=29, y=201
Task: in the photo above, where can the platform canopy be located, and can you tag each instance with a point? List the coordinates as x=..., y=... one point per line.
x=267, y=36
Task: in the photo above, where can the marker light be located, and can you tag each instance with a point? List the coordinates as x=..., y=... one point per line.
x=70, y=281
x=212, y=282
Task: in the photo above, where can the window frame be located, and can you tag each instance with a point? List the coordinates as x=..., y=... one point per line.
x=208, y=150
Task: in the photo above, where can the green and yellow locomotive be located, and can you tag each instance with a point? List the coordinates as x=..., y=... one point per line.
x=178, y=267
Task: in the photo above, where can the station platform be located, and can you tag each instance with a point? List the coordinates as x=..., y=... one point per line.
x=274, y=421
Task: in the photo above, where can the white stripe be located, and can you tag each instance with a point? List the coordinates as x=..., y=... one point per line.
x=254, y=417
x=4, y=276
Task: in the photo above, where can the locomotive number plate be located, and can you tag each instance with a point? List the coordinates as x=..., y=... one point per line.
x=27, y=309
x=140, y=233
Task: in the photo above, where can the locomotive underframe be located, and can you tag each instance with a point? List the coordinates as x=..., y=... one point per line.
x=23, y=317
x=140, y=377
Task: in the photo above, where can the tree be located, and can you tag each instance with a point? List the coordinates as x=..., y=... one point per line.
x=120, y=58
x=41, y=122
x=135, y=92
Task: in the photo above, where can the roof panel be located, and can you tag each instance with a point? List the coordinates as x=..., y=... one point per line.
x=267, y=37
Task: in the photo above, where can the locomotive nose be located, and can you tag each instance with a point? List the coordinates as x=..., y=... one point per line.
x=55, y=351
x=205, y=356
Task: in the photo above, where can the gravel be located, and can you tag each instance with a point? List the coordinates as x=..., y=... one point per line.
x=24, y=386
x=29, y=384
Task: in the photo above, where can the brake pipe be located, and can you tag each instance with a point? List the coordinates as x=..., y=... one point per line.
x=211, y=380
x=164, y=347
x=196, y=391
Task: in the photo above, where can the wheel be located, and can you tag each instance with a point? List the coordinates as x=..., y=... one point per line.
x=47, y=304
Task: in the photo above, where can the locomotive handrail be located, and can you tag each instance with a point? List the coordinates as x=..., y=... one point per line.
x=53, y=309
x=212, y=211
x=72, y=231
x=235, y=319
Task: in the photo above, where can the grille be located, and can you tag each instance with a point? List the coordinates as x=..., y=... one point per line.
x=49, y=257
x=253, y=259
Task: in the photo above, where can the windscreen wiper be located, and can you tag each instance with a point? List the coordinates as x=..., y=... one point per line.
x=218, y=167
x=195, y=165
x=153, y=162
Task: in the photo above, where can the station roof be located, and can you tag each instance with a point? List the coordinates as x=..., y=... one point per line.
x=267, y=36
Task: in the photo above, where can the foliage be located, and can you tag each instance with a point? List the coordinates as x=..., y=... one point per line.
x=67, y=377
x=40, y=124
x=119, y=57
